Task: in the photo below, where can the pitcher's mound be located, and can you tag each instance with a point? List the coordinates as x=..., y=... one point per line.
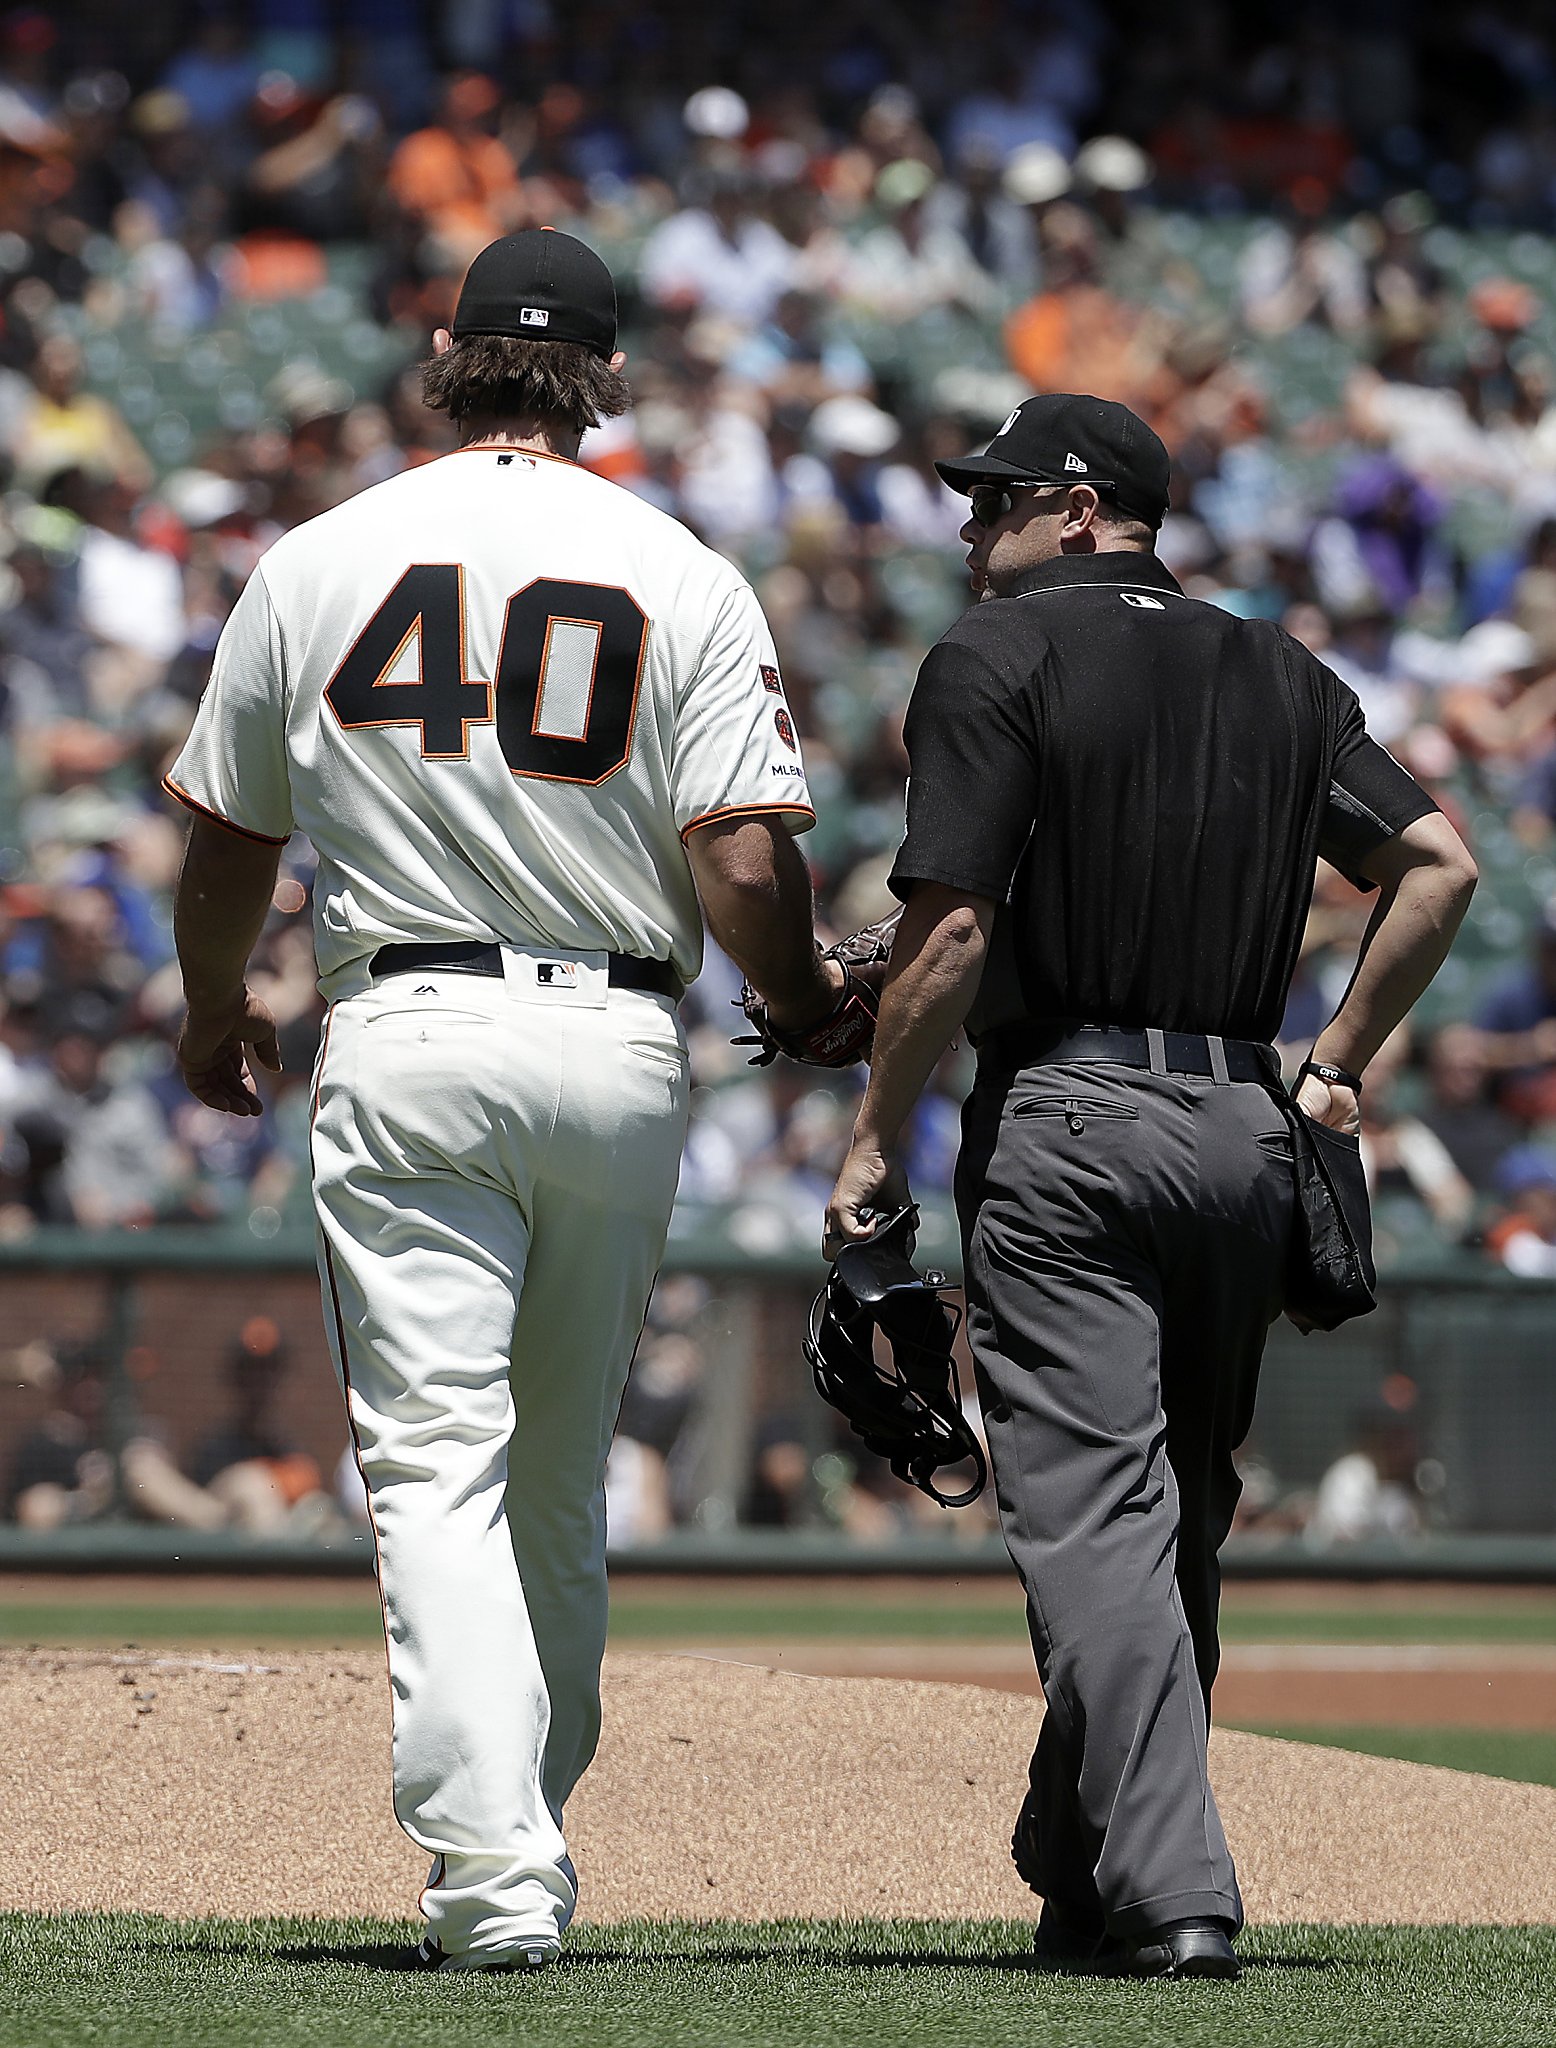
x=721, y=1791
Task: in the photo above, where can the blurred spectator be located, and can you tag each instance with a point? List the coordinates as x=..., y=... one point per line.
x=1518, y=1020
x=718, y=253
x=27, y=37
x=265, y=1484
x=63, y=1471
x=1402, y=280
x=1370, y=1493
x=911, y=266
x=179, y=282
x=1473, y=1130
x=45, y=644
x=455, y=180
x=168, y=158
x=1113, y=172
x=1299, y=275
x=60, y=1472
x=984, y=209
x=1499, y=699
x=1033, y=178
x=1524, y=1237
x=1039, y=100
x=795, y=361
x=98, y=1152
x=1379, y=549
x=215, y=74
x=1075, y=335
x=639, y=1482
x=316, y=168
x=1402, y=1152
x=850, y=436
x=65, y=427
x=131, y=596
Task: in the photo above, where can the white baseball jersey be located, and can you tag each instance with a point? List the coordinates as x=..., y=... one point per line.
x=496, y=692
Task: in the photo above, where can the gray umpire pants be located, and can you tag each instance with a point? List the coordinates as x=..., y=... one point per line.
x=1125, y=1237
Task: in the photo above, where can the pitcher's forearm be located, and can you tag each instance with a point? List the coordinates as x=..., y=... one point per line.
x=219, y=910
x=757, y=899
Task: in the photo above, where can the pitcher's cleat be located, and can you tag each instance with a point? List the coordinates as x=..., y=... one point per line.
x=524, y=1960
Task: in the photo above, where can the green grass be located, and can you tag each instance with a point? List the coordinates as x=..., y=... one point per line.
x=1490, y=1623
x=127, y=1980
x=1528, y=1755
x=927, y=1615
x=204, y=1624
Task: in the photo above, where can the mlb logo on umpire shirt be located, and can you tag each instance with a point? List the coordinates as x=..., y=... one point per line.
x=534, y=316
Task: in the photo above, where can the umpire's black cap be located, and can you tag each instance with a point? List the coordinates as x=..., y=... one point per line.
x=1066, y=437
x=540, y=285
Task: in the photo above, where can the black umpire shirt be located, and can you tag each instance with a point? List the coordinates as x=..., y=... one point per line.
x=1141, y=781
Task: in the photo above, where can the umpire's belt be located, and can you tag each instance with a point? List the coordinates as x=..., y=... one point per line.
x=1010, y=1047
x=476, y=956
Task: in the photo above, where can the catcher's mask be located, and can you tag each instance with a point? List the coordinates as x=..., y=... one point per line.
x=909, y=1414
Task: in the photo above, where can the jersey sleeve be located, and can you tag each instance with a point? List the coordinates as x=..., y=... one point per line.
x=735, y=746
x=1371, y=798
x=233, y=765
x=972, y=790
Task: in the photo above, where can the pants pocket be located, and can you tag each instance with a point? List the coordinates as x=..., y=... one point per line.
x=657, y=1053
x=1075, y=1111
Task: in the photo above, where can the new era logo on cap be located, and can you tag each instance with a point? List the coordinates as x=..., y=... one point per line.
x=534, y=316
x=1073, y=461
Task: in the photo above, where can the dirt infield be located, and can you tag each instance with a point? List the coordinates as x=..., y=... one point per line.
x=186, y=1786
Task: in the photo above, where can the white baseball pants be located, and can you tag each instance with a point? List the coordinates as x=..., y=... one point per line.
x=494, y=1163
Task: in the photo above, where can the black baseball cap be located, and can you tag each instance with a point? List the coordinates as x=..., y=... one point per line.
x=1066, y=437
x=540, y=285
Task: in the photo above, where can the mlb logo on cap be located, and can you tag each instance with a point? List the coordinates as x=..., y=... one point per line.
x=543, y=284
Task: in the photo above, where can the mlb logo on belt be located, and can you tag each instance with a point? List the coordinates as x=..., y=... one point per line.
x=534, y=316
x=557, y=973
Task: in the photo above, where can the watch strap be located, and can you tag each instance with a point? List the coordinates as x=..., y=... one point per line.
x=1336, y=1077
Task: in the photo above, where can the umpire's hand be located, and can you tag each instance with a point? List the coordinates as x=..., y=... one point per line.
x=1335, y=1107
x=212, y=1050
x=871, y=1185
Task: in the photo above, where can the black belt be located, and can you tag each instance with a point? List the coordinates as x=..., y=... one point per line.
x=1009, y=1047
x=477, y=956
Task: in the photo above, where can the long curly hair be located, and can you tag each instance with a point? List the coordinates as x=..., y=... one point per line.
x=498, y=376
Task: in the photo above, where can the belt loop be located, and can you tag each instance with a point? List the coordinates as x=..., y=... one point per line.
x=1217, y=1048
x=1156, y=1048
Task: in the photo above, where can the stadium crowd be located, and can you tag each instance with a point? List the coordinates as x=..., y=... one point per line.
x=1310, y=250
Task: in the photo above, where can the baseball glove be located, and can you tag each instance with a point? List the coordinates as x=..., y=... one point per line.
x=910, y=1414
x=847, y=1032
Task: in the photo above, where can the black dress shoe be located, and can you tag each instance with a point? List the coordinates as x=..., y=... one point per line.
x=1186, y=1948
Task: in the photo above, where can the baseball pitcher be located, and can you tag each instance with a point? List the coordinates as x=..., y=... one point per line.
x=525, y=719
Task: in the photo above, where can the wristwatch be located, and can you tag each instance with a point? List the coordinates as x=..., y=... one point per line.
x=1336, y=1077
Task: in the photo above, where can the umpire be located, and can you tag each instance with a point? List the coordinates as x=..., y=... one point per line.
x=1117, y=795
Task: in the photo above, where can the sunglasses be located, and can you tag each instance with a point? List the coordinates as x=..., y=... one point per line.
x=990, y=502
